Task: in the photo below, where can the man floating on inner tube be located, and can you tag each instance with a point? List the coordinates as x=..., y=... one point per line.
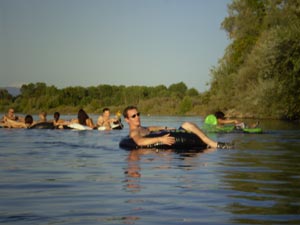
x=138, y=133
x=221, y=120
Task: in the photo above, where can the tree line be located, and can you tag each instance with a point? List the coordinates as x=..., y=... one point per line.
x=177, y=99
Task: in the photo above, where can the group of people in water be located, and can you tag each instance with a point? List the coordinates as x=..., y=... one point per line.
x=105, y=121
x=131, y=115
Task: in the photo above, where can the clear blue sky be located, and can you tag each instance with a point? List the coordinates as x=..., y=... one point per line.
x=117, y=42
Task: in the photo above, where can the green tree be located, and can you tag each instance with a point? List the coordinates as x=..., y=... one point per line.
x=243, y=26
x=178, y=89
x=185, y=105
x=259, y=72
x=192, y=92
x=153, y=100
x=6, y=99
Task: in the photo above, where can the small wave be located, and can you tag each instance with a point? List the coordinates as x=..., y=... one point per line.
x=22, y=218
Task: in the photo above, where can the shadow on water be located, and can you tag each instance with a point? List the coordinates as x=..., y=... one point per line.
x=262, y=176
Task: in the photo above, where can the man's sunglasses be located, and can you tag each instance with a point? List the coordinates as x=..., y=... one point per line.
x=134, y=115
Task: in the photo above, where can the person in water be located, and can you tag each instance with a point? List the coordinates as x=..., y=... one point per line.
x=238, y=124
x=137, y=132
x=84, y=119
x=43, y=117
x=28, y=122
x=59, y=123
x=11, y=115
x=105, y=121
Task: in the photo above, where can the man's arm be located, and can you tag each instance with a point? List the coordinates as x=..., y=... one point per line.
x=157, y=128
x=14, y=124
x=143, y=141
x=227, y=121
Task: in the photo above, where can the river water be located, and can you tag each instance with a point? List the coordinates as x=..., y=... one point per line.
x=83, y=177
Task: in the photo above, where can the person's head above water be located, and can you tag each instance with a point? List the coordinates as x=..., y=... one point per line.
x=219, y=115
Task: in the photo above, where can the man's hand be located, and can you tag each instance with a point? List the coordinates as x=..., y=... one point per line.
x=167, y=139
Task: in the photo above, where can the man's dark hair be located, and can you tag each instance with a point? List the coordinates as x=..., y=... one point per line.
x=105, y=109
x=219, y=115
x=82, y=117
x=125, y=111
x=28, y=119
x=56, y=116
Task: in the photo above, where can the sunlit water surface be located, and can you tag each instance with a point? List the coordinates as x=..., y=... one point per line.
x=83, y=177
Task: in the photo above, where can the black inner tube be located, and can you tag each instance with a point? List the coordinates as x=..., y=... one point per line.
x=183, y=140
x=43, y=125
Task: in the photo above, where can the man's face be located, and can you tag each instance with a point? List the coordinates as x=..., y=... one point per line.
x=106, y=114
x=11, y=113
x=133, y=118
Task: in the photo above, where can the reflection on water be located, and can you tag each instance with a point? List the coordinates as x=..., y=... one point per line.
x=165, y=157
x=69, y=177
x=133, y=172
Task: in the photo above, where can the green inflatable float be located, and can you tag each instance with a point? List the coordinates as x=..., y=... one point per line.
x=211, y=125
